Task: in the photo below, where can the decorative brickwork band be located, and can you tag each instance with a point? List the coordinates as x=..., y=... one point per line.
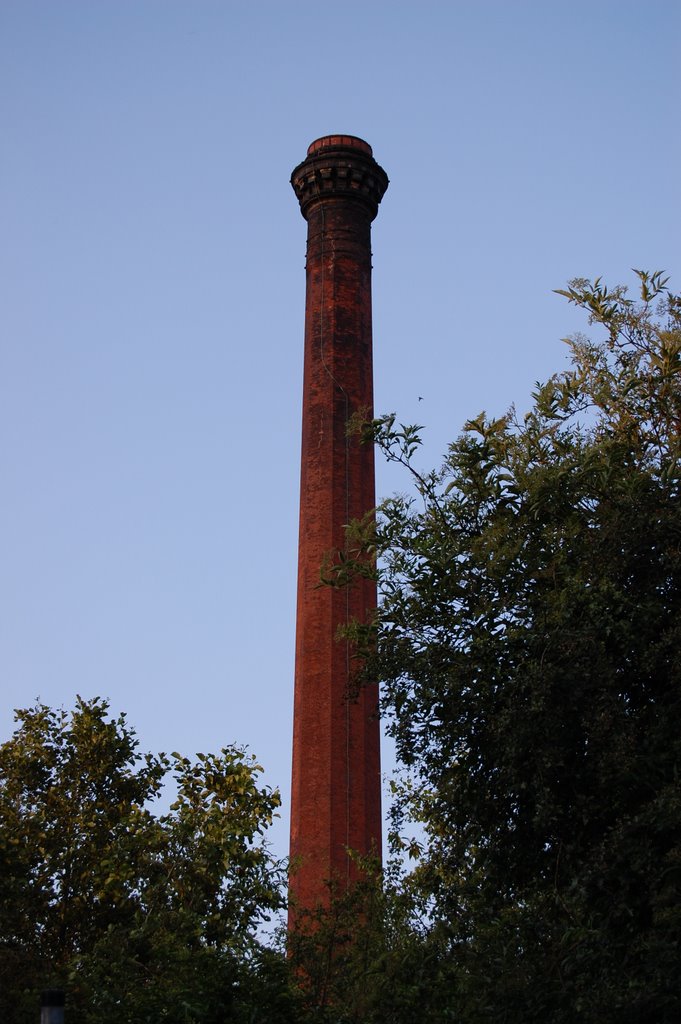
x=340, y=166
x=336, y=791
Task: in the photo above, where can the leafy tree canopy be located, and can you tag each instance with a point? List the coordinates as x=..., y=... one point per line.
x=139, y=917
x=527, y=645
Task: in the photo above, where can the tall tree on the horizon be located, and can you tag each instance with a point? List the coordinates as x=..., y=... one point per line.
x=138, y=916
x=527, y=645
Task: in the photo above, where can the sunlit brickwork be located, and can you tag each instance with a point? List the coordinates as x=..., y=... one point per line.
x=336, y=792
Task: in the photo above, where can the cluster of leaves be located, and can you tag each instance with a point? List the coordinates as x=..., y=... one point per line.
x=139, y=917
x=367, y=957
x=527, y=647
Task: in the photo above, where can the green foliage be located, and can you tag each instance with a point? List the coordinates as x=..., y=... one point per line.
x=366, y=957
x=527, y=646
x=140, y=918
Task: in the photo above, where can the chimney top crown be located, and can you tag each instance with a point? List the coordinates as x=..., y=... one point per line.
x=339, y=142
x=339, y=167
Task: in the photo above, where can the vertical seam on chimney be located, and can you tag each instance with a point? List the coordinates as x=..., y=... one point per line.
x=346, y=402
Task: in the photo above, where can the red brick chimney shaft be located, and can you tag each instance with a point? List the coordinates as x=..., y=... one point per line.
x=336, y=793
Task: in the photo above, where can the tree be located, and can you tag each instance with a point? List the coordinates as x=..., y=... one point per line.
x=140, y=917
x=367, y=956
x=527, y=645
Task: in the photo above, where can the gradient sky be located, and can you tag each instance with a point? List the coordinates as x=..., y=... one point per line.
x=153, y=297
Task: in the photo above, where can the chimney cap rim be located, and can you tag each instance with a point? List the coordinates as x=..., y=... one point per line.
x=339, y=142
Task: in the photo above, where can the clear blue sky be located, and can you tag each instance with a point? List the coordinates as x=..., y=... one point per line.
x=153, y=296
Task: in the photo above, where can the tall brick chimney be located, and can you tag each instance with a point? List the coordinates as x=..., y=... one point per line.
x=336, y=792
